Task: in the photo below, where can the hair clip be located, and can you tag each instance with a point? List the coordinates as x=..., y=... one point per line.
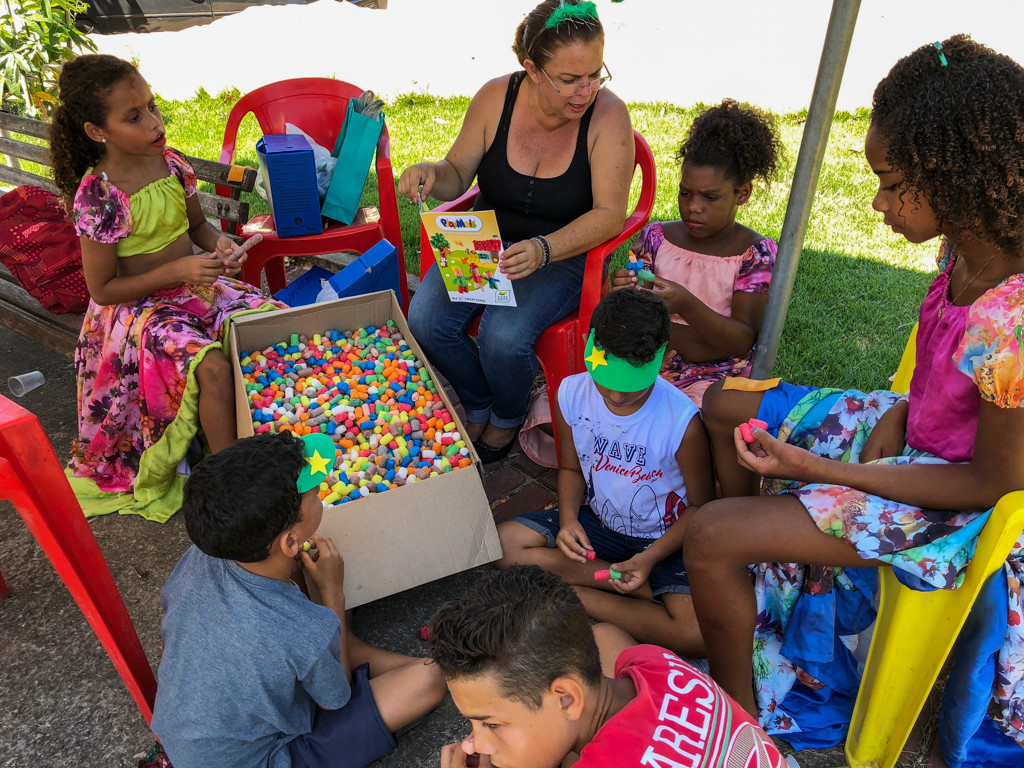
x=579, y=13
x=942, y=56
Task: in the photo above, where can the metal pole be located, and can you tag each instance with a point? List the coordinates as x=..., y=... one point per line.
x=841, y=24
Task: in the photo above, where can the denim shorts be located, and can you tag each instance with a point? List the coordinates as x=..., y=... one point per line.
x=350, y=737
x=668, y=576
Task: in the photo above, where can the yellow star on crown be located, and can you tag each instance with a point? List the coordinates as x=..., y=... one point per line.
x=317, y=463
x=596, y=358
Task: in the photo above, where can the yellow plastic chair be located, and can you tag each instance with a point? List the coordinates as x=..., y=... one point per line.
x=915, y=631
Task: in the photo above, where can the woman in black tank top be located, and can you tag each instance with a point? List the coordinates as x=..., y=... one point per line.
x=552, y=151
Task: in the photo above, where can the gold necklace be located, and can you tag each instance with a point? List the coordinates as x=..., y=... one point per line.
x=969, y=283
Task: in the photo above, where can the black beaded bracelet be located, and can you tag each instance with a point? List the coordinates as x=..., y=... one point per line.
x=545, y=251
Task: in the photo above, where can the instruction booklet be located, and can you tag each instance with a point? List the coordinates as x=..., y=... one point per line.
x=466, y=249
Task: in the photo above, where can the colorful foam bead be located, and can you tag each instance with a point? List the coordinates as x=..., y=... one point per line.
x=369, y=392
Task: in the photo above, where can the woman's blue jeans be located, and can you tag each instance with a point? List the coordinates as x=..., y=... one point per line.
x=492, y=374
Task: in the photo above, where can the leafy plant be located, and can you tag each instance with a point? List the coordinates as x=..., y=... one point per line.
x=36, y=37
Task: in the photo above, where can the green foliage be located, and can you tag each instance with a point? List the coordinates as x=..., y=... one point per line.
x=439, y=241
x=36, y=37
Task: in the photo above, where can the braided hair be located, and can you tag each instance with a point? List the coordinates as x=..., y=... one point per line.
x=952, y=122
x=84, y=85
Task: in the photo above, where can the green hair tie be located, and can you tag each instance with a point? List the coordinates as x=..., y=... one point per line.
x=571, y=13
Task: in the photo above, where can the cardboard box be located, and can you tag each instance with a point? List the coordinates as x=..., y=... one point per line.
x=404, y=537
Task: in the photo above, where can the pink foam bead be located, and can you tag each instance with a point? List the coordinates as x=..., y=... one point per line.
x=746, y=432
x=591, y=554
x=757, y=424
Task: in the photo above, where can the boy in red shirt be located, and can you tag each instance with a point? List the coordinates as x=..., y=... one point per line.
x=523, y=665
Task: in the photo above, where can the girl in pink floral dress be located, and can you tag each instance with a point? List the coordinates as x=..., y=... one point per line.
x=868, y=479
x=149, y=362
x=711, y=271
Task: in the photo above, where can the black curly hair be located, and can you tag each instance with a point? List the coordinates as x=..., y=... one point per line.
x=631, y=324
x=741, y=140
x=538, y=42
x=956, y=134
x=523, y=625
x=238, y=500
x=84, y=85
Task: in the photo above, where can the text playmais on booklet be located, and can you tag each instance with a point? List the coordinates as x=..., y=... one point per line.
x=466, y=248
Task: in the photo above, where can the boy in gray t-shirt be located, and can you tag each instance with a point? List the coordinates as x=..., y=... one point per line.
x=253, y=673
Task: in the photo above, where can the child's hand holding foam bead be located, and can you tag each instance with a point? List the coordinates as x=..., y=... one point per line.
x=573, y=542
x=748, y=427
x=633, y=573
x=643, y=275
x=327, y=571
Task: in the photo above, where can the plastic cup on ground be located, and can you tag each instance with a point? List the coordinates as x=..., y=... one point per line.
x=25, y=383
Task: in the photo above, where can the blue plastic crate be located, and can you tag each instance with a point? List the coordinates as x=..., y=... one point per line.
x=375, y=270
x=303, y=290
x=289, y=175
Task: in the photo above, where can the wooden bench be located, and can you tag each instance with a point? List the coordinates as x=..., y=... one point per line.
x=22, y=313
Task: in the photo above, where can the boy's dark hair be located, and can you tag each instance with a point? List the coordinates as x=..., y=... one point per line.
x=523, y=625
x=84, y=86
x=631, y=324
x=538, y=42
x=956, y=134
x=240, y=499
x=739, y=139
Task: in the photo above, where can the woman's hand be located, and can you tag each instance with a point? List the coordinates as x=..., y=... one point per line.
x=199, y=269
x=889, y=435
x=521, y=259
x=635, y=573
x=769, y=457
x=415, y=176
x=573, y=541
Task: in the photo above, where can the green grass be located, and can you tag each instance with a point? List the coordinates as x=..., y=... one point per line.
x=858, y=286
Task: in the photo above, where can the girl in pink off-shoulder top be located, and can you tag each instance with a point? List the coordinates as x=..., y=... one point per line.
x=711, y=271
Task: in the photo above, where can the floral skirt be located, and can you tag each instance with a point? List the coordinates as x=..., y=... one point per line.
x=137, y=392
x=813, y=623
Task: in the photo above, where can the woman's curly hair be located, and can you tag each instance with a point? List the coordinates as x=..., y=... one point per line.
x=739, y=139
x=956, y=134
x=84, y=85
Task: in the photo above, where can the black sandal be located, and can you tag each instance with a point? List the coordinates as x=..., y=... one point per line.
x=489, y=454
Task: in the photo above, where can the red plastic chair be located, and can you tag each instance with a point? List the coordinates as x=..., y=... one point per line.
x=32, y=478
x=316, y=105
x=560, y=347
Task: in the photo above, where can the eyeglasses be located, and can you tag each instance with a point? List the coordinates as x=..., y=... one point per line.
x=579, y=85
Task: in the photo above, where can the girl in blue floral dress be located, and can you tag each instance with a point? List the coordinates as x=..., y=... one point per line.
x=881, y=479
x=149, y=361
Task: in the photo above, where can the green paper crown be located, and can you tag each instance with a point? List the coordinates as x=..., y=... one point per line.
x=618, y=374
x=583, y=12
x=320, y=453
